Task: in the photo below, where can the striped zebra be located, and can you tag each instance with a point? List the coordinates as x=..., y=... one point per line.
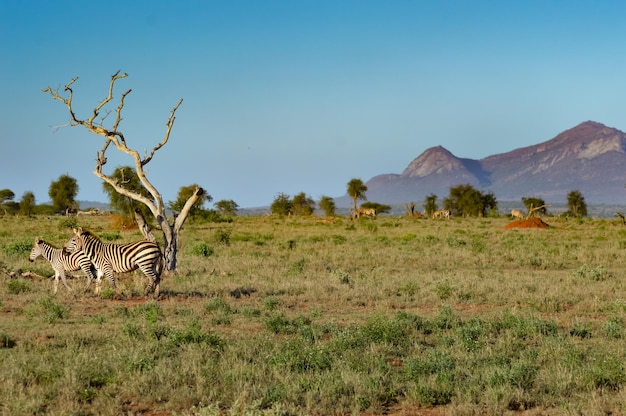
x=442, y=213
x=62, y=261
x=120, y=258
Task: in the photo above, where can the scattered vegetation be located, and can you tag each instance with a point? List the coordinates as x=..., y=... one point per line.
x=292, y=316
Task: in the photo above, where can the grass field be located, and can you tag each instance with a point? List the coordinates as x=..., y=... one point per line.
x=270, y=316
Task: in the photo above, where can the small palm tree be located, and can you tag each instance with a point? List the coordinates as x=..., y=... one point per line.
x=356, y=189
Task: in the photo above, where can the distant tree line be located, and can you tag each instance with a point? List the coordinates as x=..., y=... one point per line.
x=463, y=201
x=63, y=192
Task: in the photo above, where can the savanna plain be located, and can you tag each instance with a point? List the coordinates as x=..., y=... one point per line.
x=299, y=316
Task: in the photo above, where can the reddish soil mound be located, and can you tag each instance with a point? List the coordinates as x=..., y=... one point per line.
x=533, y=222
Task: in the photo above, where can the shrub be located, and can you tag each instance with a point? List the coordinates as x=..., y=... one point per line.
x=48, y=309
x=217, y=304
x=614, y=327
x=270, y=303
x=607, y=372
x=114, y=236
x=202, y=249
x=68, y=223
x=17, y=286
x=151, y=311
x=222, y=236
x=300, y=356
x=435, y=361
x=471, y=334
x=193, y=334
x=19, y=248
x=597, y=273
x=338, y=239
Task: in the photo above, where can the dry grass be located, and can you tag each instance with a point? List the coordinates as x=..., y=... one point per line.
x=296, y=316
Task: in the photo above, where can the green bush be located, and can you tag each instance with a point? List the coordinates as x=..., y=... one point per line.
x=48, y=309
x=17, y=286
x=19, y=248
x=202, y=249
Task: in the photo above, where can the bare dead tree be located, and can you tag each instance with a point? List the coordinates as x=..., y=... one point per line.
x=112, y=135
x=532, y=210
x=410, y=209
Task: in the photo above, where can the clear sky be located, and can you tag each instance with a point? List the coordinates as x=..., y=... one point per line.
x=299, y=96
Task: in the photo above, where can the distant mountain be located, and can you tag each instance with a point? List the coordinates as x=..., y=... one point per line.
x=84, y=205
x=590, y=157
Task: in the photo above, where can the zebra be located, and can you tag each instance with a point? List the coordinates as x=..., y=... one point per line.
x=120, y=258
x=442, y=213
x=370, y=212
x=62, y=261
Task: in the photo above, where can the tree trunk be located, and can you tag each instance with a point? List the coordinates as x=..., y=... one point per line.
x=143, y=226
x=170, y=253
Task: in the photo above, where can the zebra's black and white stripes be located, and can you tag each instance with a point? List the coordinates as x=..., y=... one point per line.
x=112, y=258
x=62, y=261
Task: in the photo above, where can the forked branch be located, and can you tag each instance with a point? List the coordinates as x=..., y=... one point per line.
x=113, y=135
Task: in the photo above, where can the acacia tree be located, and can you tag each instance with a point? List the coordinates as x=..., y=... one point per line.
x=6, y=198
x=430, y=205
x=184, y=193
x=281, y=205
x=226, y=207
x=327, y=204
x=465, y=200
x=27, y=203
x=302, y=205
x=576, y=204
x=112, y=135
x=63, y=192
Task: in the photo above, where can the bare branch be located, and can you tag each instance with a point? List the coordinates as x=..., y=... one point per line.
x=531, y=211
x=119, y=113
x=143, y=226
x=67, y=101
x=124, y=181
x=178, y=223
x=169, y=125
x=96, y=110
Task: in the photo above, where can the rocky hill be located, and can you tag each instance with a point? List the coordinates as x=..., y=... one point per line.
x=590, y=157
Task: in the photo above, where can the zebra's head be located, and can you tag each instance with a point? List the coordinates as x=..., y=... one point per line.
x=76, y=242
x=36, y=251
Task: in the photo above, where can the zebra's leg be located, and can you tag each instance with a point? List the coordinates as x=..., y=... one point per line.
x=156, y=285
x=89, y=279
x=98, y=288
x=153, y=274
x=152, y=286
x=64, y=282
x=55, y=284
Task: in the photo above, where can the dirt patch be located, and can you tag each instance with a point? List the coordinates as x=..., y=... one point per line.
x=533, y=222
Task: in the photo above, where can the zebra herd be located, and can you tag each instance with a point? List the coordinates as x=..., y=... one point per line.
x=84, y=251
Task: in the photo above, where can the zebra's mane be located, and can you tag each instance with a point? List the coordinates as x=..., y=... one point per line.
x=88, y=233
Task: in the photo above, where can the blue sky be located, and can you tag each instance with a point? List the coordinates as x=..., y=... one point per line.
x=299, y=96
